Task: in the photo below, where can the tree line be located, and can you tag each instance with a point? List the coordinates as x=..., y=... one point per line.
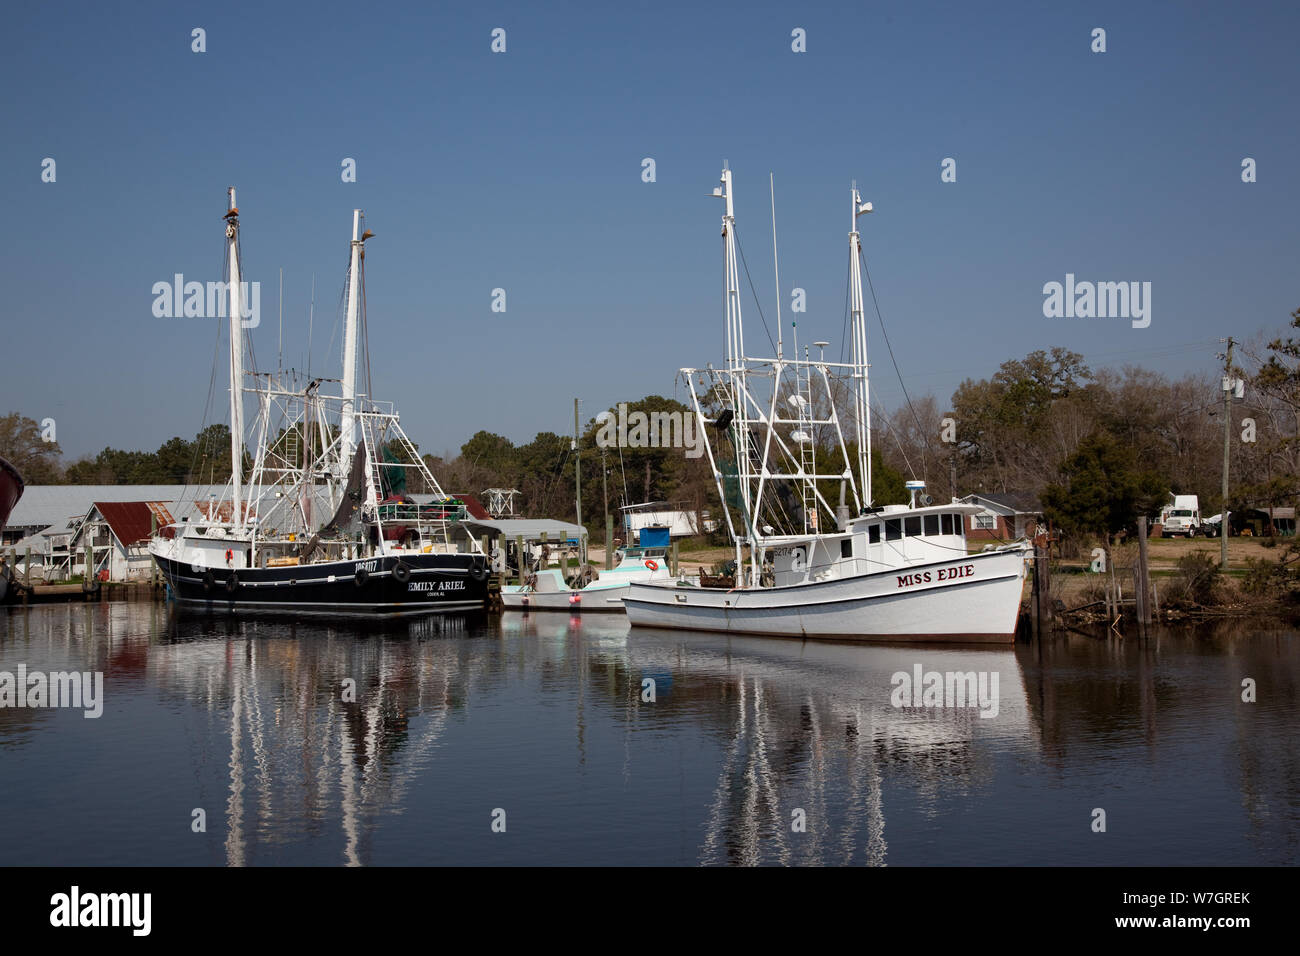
x=1096, y=447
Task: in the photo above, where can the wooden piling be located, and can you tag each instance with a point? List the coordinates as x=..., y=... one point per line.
x=1034, y=603
x=1142, y=573
x=1043, y=589
x=1114, y=585
x=501, y=571
x=153, y=568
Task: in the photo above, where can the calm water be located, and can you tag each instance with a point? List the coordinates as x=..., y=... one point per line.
x=542, y=717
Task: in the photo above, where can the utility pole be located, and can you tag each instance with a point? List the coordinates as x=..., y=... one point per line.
x=1227, y=448
x=577, y=461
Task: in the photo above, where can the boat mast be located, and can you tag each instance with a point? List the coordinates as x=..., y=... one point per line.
x=736, y=360
x=236, y=297
x=861, y=391
x=347, y=420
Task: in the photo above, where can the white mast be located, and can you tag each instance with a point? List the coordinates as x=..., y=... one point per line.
x=236, y=298
x=861, y=392
x=776, y=268
x=736, y=357
x=347, y=420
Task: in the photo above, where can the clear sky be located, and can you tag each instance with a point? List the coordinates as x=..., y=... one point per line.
x=522, y=170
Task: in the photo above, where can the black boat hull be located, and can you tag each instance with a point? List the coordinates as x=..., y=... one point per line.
x=369, y=587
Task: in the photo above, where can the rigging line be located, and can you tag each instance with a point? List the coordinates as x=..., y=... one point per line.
x=365, y=328
x=889, y=426
x=863, y=259
x=207, y=405
x=340, y=310
x=623, y=473
x=752, y=291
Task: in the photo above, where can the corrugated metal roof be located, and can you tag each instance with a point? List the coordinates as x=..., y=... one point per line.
x=44, y=505
x=530, y=528
x=132, y=521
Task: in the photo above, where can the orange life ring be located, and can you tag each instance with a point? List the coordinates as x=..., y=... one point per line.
x=649, y=563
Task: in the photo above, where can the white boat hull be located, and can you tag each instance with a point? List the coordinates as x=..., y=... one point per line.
x=975, y=599
x=586, y=601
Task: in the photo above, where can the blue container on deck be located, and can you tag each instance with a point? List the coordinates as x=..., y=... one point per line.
x=655, y=537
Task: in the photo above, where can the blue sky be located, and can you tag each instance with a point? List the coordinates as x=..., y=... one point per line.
x=522, y=171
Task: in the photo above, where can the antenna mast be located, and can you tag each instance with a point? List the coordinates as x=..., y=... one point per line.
x=776, y=269
x=861, y=392
x=347, y=422
x=236, y=297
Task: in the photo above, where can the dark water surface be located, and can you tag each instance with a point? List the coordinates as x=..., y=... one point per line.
x=542, y=717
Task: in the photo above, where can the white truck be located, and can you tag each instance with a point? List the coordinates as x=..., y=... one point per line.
x=1181, y=516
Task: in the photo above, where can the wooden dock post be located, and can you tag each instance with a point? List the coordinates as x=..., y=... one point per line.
x=676, y=560
x=609, y=542
x=153, y=565
x=1034, y=603
x=519, y=557
x=1143, y=575
x=1042, y=591
x=1114, y=585
x=501, y=552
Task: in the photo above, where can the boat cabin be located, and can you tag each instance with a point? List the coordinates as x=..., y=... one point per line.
x=896, y=536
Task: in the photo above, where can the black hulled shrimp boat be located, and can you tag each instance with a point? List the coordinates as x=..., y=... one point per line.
x=322, y=524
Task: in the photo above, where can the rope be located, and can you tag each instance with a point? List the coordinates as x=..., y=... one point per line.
x=752, y=290
x=863, y=260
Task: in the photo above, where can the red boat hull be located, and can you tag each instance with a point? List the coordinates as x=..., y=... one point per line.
x=11, y=489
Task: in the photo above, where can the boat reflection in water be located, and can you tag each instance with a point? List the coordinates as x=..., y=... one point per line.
x=606, y=745
x=803, y=729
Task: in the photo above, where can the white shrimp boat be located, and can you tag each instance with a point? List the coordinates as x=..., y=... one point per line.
x=805, y=568
x=546, y=589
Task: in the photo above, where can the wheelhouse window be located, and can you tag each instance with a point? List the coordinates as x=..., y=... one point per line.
x=893, y=529
x=931, y=524
x=913, y=526
x=873, y=534
x=846, y=548
x=946, y=522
